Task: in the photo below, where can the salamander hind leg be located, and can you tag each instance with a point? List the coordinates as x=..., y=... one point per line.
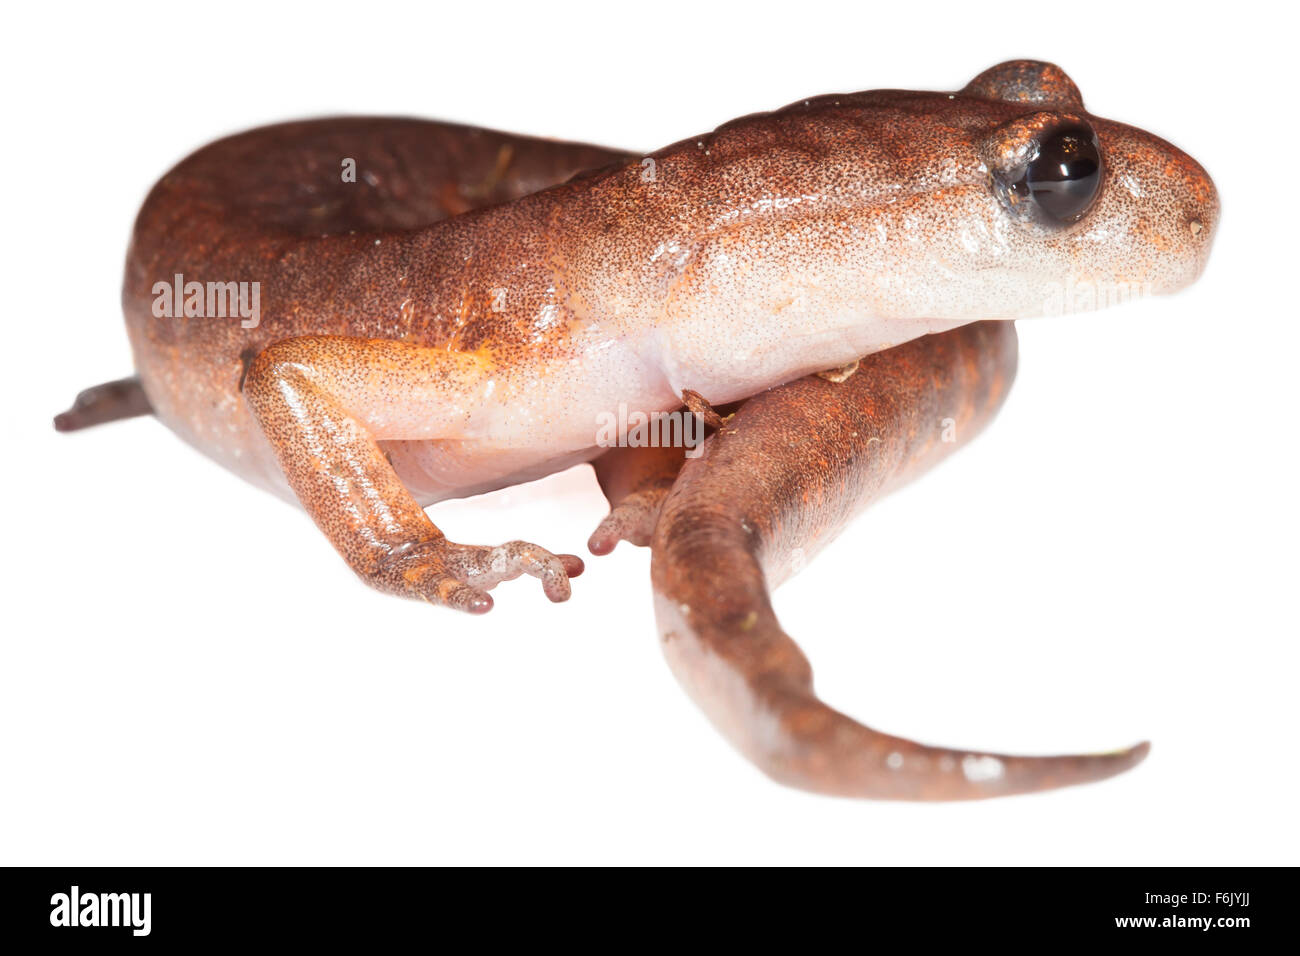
x=313, y=399
x=107, y=402
x=635, y=482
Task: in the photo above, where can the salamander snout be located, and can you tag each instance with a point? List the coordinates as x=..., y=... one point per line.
x=1200, y=213
x=1159, y=210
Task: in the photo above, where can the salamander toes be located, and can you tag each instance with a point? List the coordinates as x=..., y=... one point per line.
x=463, y=597
x=459, y=576
x=631, y=520
x=486, y=567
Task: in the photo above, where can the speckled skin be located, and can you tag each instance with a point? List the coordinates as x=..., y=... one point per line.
x=458, y=318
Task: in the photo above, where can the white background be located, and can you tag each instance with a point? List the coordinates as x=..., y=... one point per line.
x=189, y=674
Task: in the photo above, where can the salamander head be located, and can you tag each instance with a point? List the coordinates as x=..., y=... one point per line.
x=844, y=224
x=1081, y=199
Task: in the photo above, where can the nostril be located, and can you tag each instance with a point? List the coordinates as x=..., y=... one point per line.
x=1198, y=220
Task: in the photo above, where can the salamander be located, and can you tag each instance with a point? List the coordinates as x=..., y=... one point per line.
x=367, y=315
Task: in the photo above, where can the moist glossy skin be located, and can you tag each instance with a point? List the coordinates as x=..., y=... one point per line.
x=460, y=316
x=780, y=244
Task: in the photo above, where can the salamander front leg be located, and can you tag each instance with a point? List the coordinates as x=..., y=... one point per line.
x=779, y=481
x=311, y=397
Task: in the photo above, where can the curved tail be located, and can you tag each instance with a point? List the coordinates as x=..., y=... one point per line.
x=783, y=476
x=756, y=686
x=108, y=402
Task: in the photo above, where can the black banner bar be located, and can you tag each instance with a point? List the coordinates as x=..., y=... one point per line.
x=138, y=907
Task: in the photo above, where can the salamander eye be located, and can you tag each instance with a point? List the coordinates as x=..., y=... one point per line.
x=1047, y=168
x=1061, y=178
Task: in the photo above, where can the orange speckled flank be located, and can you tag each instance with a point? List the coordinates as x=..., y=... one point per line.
x=458, y=315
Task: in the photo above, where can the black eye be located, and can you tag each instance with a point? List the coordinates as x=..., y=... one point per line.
x=1064, y=176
